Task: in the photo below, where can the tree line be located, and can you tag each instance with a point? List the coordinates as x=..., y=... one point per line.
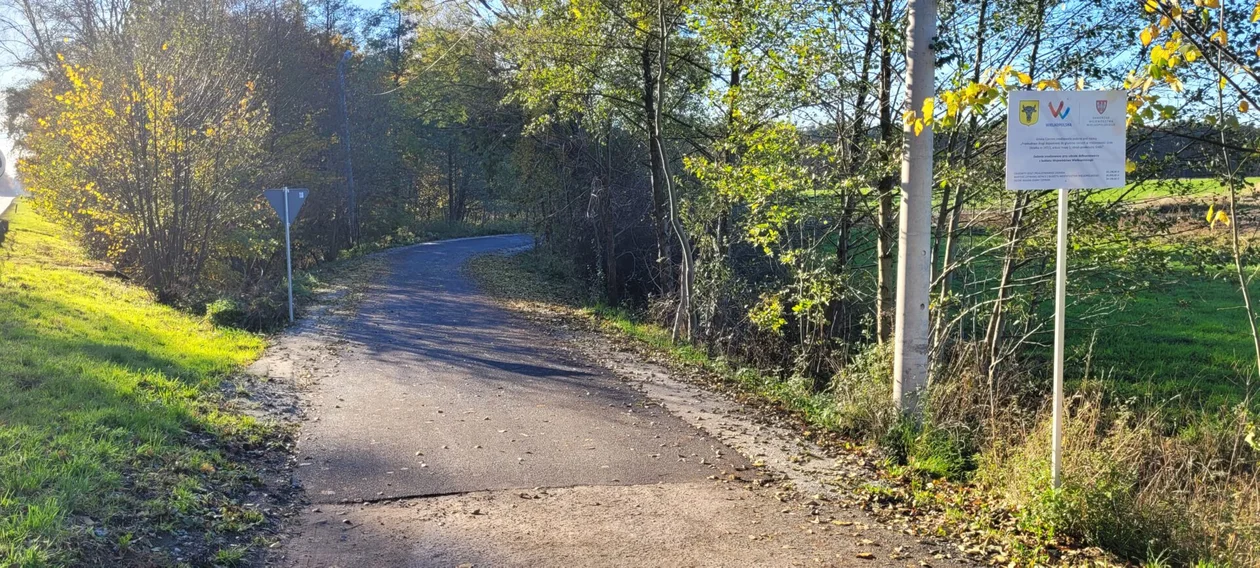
x=728, y=165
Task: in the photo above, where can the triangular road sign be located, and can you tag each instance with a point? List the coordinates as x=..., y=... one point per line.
x=297, y=196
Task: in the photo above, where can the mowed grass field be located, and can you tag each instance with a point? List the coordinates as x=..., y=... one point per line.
x=1184, y=187
x=1183, y=343
x=111, y=425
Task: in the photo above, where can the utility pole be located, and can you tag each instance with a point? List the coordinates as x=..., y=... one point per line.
x=345, y=142
x=914, y=257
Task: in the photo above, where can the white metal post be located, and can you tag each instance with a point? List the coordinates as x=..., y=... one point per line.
x=288, y=251
x=914, y=259
x=1060, y=310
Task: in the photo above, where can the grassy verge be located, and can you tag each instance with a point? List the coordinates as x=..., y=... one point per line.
x=115, y=448
x=980, y=475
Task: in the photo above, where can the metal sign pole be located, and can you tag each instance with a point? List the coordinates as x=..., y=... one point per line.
x=288, y=251
x=1060, y=310
x=280, y=201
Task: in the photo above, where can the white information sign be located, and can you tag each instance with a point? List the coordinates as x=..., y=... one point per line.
x=1065, y=139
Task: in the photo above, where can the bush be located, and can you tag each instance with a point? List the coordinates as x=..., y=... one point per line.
x=225, y=313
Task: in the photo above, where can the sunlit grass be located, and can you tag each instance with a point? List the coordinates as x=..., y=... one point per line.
x=101, y=390
x=1183, y=187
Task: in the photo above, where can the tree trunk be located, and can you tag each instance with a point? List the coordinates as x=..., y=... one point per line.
x=996, y=328
x=660, y=224
x=684, y=318
x=886, y=303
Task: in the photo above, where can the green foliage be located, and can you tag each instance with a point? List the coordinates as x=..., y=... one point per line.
x=925, y=450
x=862, y=392
x=150, y=166
x=225, y=313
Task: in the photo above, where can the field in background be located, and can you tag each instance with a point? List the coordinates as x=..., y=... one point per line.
x=110, y=424
x=1184, y=187
x=1184, y=341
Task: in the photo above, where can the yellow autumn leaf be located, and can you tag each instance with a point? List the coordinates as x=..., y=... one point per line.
x=1243, y=106
x=1192, y=55
x=1212, y=3
x=1175, y=12
x=1220, y=37
x=1024, y=78
x=1221, y=217
x=918, y=127
x=1211, y=212
x=1255, y=13
x=1147, y=36
x=1151, y=6
x=1130, y=166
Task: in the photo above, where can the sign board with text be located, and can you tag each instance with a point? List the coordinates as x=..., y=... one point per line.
x=1065, y=140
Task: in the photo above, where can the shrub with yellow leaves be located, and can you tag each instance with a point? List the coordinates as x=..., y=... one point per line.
x=152, y=167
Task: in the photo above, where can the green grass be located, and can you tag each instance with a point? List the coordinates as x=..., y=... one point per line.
x=1184, y=187
x=1184, y=341
x=111, y=431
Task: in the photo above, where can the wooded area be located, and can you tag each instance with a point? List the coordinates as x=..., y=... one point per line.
x=726, y=168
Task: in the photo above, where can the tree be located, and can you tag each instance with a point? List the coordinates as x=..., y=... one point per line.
x=151, y=149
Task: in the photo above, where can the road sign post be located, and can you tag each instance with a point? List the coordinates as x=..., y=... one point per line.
x=288, y=253
x=287, y=202
x=1050, y=147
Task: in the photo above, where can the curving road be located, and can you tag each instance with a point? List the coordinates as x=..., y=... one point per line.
x=440, y=391
x=444, y=431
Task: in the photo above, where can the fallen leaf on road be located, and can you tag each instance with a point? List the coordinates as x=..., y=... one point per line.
x=866, y=555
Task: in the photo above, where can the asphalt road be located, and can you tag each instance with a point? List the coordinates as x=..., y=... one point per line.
x=440, y=391
x=442, y=431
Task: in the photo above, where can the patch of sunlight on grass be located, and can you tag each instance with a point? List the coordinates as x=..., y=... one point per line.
x=102, y=386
